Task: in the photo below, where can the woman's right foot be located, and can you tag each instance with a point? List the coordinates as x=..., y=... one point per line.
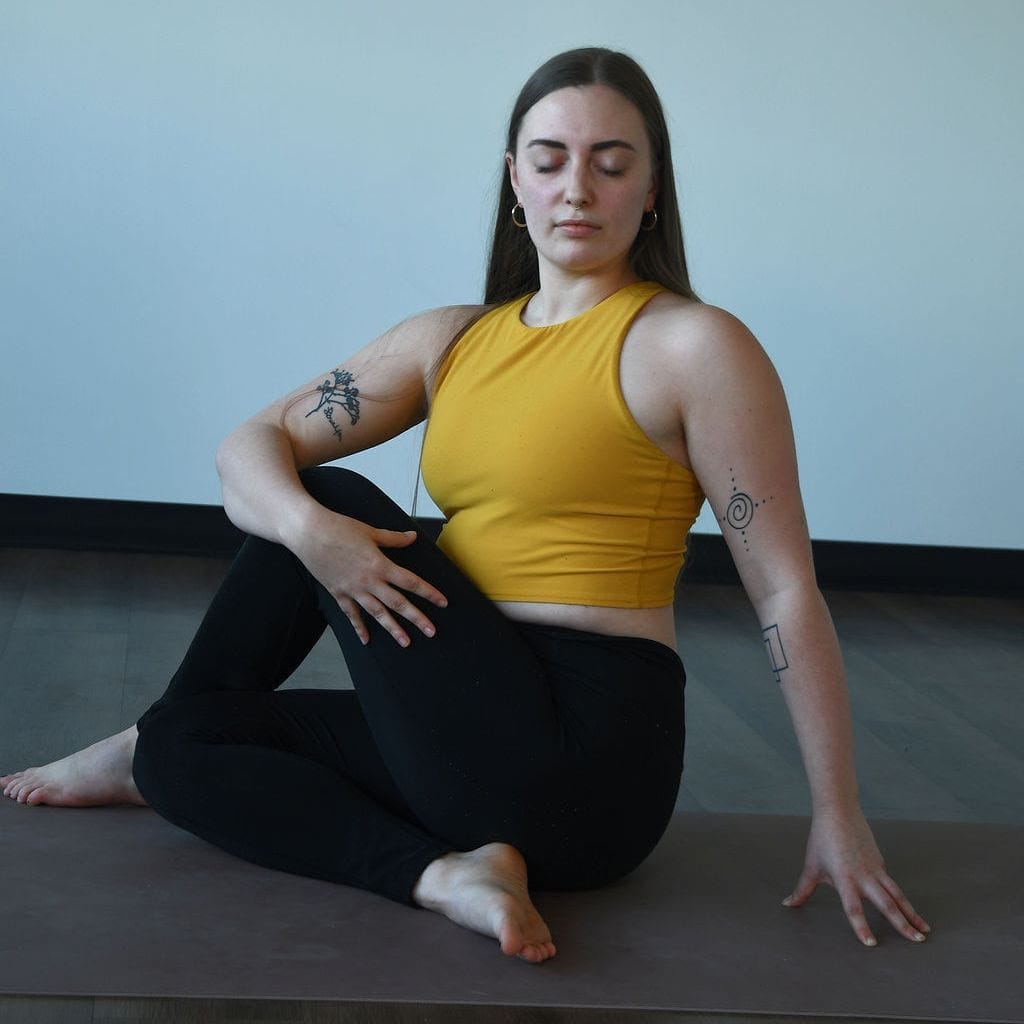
x=100, y=774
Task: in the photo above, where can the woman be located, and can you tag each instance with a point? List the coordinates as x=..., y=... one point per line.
x=518, y=698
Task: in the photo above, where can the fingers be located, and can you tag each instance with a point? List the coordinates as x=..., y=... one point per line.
x=906, y=907
x=848, y=894
x=379, y=611
x=409, y=581
x=403, y=578
x=854, y=910
x=885, y=894
x=384, y=603
x=804, y=890
x=381, y=589
x=392, y=538
x=351, y=610
x=887, y=897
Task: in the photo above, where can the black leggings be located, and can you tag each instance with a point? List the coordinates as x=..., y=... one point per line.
x=566, y=744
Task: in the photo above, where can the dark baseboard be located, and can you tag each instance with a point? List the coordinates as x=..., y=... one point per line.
x=98, y=524
x=159, y=527
x=857, y=565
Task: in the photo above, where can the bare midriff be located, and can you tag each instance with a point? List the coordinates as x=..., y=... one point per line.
x=653, y=623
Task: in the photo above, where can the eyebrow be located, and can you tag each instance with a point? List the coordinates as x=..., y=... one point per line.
x=597, y=146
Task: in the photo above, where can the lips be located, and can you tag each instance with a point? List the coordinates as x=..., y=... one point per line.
x=577, y=228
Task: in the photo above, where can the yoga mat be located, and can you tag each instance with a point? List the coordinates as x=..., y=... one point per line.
x=115, y=902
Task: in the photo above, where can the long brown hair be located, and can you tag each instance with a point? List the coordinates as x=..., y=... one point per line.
x=656, y=255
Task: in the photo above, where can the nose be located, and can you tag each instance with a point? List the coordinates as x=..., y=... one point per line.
x=577, y=188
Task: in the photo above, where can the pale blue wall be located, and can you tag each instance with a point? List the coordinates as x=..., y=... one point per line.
x=203, y=204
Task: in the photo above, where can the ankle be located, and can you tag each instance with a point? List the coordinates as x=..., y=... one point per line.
x=429, y=887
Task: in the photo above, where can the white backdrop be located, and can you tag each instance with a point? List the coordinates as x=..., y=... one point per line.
x=203, y=204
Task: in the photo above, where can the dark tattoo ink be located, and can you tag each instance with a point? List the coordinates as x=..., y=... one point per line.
x=338, y=392
x=740, y=511
x=776, y=654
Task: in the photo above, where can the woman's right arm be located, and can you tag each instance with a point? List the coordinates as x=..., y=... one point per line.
x=372, y=397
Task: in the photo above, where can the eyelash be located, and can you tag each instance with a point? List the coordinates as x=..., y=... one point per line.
x=604, y=170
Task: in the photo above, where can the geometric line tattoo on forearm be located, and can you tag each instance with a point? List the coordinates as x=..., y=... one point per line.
x=338, y=392
x=776, y=654
x=740, y=511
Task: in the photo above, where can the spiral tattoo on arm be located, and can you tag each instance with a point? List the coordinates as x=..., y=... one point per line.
x=739, y=513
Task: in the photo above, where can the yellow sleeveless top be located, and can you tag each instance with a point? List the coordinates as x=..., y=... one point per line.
x=551, y=490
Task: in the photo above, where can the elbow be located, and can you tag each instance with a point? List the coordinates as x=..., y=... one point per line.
x=784, y=589
x=222, y=457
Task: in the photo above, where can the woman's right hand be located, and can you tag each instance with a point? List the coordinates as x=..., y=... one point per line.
x=345, y=555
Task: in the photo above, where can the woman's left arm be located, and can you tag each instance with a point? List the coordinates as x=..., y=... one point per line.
x=739, y=441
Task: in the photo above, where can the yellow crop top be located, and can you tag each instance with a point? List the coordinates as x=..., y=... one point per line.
x=551, y=490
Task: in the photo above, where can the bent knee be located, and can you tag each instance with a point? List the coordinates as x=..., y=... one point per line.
x=348, y=493
x=162, y=748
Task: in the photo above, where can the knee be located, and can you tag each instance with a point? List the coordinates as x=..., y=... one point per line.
x=161, y=750
x=153, y=752
x=348, y=493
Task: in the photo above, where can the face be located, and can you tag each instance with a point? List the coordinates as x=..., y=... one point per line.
x=583, y=171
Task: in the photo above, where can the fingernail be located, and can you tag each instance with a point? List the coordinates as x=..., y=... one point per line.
x=429, y=631
x=872, y=941
x=788, y=901
x=918, y=937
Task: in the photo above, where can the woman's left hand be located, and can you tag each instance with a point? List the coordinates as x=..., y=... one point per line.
x=841, y=852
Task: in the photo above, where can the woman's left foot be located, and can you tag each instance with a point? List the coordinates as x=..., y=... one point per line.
x=486, y=890
x=100, y=774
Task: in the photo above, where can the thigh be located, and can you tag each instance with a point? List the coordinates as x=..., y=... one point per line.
x=262, y=622
x=611, y=790
x=449, y=713
x=288, y=780
x=326, y=727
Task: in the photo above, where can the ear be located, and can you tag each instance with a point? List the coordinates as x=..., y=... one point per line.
x=652, y=194
x=510, y=162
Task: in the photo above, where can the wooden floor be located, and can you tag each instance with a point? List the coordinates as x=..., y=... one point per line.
x=87, y=640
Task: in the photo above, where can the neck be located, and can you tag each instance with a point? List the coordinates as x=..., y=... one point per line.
x=564, y=295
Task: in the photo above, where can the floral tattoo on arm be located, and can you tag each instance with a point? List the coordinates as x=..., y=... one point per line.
x=339, y=392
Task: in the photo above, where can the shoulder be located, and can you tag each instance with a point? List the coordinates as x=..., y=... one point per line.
x=696, y=343
x=422, y=339
x=692, y=329
x=437, y=327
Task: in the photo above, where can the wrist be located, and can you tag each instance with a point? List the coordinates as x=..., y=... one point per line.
x=299, y=519
x=836, y=805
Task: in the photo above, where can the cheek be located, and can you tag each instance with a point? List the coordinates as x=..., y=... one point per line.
x=538, y=190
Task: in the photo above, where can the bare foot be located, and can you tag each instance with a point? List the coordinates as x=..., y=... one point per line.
x=486, y=890
x=100, y=774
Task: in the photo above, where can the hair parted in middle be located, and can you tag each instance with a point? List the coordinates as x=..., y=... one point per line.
x=656, y=255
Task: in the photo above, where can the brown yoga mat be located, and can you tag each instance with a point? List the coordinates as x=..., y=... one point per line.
x=116, y=902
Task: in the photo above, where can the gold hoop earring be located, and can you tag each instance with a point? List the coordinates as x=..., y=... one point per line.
x=518, y=206
x=653, y=223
